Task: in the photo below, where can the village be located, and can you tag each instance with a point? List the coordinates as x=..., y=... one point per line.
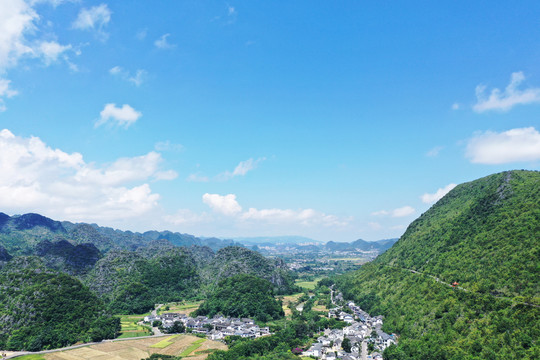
x=362, y=339
x=362, y=336
x=216, y=328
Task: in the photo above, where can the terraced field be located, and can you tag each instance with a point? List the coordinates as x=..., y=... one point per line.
x=130, y=328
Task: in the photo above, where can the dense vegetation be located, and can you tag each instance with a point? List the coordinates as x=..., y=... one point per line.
x=235, y=260
x=243, y=296
x=20, y=234
x=42, y=309
x=484, y=235
x=132, y=283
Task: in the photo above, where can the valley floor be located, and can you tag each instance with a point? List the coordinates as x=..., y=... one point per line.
x=129, y=349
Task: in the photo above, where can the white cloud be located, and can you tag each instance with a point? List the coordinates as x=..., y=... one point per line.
x=435, y=151
x=241, y=169
x=224, y=204
x=162, y=42
x=126, y=170
x=5, y=91
x=122, y=116
x=16, y=19
x=515, y=145
x=51, y=50
x=166, y=175
x=428, y=198
x=19, y=40
x=510, y=97
x=244, y=166
x=94, y=18
x=136, y=79
x=403, y=211
x=456, y=106
x=228, y=205
x=117, y=70
x=399, y=212
x=38, y=178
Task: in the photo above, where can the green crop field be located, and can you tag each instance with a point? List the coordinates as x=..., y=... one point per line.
x=196, y=344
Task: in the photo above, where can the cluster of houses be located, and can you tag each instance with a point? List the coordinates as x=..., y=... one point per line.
x=360, y=333
x=216, y=328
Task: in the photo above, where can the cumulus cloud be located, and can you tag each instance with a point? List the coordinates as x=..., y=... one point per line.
x=224, y=204
x=19, y=40
x=126, y=170
x=507, y=99
x=16, y=19
x=136, y=79
x=121, y=116
x=399, y=212
x=38, y=178
x=428, y=198
x=51, y=50
x=162, y=42
x=94, y=18
x=306, y=217
x=515, y=145
x=228, y=205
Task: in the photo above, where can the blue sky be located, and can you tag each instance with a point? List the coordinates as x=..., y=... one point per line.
x=332, y=120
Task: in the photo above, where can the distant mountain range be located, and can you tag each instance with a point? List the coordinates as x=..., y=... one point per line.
x=20, y=234
x=307, y=244
x=276, y=240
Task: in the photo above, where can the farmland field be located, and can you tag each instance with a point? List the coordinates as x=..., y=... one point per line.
x=140, y=349
x=181, y=307
x=310, y=285
x=290, y=299
x=130, y=328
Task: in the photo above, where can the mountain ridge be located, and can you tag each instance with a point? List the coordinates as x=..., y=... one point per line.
x=483, y=235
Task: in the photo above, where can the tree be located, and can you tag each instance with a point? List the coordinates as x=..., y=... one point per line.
x=178, y=327
x=346, y=345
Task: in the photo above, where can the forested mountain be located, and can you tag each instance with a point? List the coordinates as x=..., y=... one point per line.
x=235, y=260
x=132, y=283
x=129, y=271
x=20, y=234
x=485, y=235
x=43, y=308
x=241, y=296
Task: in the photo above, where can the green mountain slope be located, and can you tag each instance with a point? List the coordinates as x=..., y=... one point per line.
x=132, y=283
x=40, y=308
x=234, y=260
x=243, y=295
x=485, y=235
